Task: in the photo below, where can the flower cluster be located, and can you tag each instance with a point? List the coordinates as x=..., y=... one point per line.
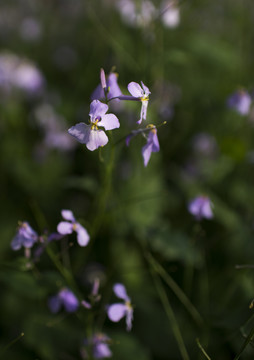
x=93, y=134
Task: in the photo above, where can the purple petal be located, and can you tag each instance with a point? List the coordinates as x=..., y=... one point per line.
x=116, y=312
x=135, y=89
x=54, y=303
x=65, y=228
x=82, y=235
x=129, y=318
x=146, y=152
x=109, y=122
x=16, y=243
x=143, y=111
x=206, y=210
x=114, y=89
x=86, y=304
x=97, y=138
x=81, y=132
x=98, y=93
x=146, y=90
x=101, y=351
x=68, y=215
x=97, y=108
x=120, y=291
x=69, y=300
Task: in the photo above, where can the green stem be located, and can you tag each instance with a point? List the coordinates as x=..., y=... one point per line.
x=11, y=343
x=246, y=342
x=203, y=350
x=176, y=289
x=170, y=313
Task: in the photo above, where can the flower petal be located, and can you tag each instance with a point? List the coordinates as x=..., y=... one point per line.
x=16, y=242
x=65, y=228
x=82, y=235
x=129, y=318
x=120, y=291
x=135, y=89
x=146, y=90
x=54, y=303
x=69, y=300
x=116, y=312
x=109, y=122
x=146, y=152
x=81, y=132
x=97, y=108
x=68, y=215
x=97, y=138
x=101, y=351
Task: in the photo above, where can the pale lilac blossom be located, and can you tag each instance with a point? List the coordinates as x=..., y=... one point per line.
x=100, y=348
x=240, y=101
x=170, y=14
x=119, y=310
x=142, y=93
x=92, y=135
x=152, y=145
x=65, y=298
x=25, y=237
x=67, y=227
x=201, y=207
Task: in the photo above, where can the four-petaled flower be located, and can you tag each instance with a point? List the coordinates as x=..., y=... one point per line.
x=99, y=343
x=64, y=298
x=152, y=144
x=141, y=93
x=117, y=311
x=25, y=236
x=201, y=207
x=92, y=135
x=67, y=227
x=240, y=101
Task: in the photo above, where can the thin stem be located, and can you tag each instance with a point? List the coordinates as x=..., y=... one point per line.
x=11, y=343
x=203, y=350
x=176, y=289
x=170, y=313
x=246, y=342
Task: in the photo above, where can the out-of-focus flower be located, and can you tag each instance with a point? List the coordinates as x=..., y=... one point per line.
x=67, y=227
x=17, y=73
x=117, y=311
x=99, y=343
x=152, y=145
x=92, y=135
x=25, y=237
x=94, y=296
x=201, y=207
x=54, y=127
x=64, y=298
x=112, y=88
x=240, y=101
x=136, y=14
x=170, y=14
x=30, y=29
x=204, y=144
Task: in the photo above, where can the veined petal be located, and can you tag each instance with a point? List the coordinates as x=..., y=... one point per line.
x=116, y=312
x=68, y=215
x=135, y=89
x=81, y=132
x=97, y=138
x=82, y=235
x=120, y=291
x=109, y=122
x=65, y=228
x=97, y=108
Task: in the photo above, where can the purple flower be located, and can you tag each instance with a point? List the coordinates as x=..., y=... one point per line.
x=141, y=93
x=100, y=348
x=92, y=135
x=67, y=227
x=152, y=145
x=201, y=207
x=117, y=311
x=25, y=236
x=112, y=88
x=64, y=298
x=240, y=101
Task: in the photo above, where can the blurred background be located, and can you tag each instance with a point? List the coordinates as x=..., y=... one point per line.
x=193, y=56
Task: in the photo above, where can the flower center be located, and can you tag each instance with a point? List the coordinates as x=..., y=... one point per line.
x=95, y=123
